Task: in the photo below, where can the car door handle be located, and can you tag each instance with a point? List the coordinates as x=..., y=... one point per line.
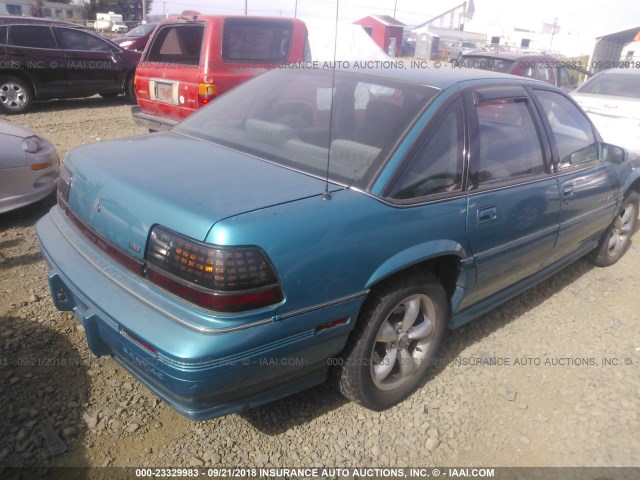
x=567, y=189
x=487, y=214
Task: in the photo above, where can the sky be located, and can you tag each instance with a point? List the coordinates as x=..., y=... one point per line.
x=580, y=17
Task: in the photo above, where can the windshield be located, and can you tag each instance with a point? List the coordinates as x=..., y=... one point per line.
x=142, y=30
x=488, y=63
x=284, y=116
x=615, y=84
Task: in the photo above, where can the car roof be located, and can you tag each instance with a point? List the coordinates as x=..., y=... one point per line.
x=211, y=18
x=620, y=71
x=510, y=56
x=440, y=78
x=16, y=20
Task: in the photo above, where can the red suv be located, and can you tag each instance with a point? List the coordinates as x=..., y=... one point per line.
x=190, y=61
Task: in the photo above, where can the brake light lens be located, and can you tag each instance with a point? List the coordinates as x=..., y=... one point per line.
x=206, y=93
x=226, y=279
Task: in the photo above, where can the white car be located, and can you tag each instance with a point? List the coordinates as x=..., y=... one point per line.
x=119, y=27
x=612, y=100
x=29, y=167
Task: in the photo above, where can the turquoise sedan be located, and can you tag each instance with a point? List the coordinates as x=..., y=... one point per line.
x=314, y=221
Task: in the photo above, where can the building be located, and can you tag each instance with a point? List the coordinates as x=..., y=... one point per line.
x=385, y=31
x=609, y=49
x=26, y=8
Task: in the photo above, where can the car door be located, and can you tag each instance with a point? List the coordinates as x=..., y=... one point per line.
x=514, y=200
x=92, y=64
x=588, y=185
x=33, y=50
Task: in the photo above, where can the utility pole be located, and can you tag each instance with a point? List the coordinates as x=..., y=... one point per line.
x=395, y=7
x=144, y=11
x=245, y=7
x=295, y=11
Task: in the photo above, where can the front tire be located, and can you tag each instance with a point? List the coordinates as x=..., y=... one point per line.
x=399, y=330
x=616, y=239
x=15, y=96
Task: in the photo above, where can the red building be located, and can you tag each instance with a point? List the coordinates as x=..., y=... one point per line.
x=386, y=31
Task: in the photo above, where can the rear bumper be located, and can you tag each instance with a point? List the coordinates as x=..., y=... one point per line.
x=201, y=374
x=152, y=122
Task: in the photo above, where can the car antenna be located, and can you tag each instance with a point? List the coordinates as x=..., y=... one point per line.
x=327, y=195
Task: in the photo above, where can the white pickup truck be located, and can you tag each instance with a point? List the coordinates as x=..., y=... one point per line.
x=110, y=22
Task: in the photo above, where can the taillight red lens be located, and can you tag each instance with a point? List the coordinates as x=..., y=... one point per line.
x=227, y=279
x=206, y=93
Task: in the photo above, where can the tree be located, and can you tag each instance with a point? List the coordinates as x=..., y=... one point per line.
x=36, y=10
x=130, y=11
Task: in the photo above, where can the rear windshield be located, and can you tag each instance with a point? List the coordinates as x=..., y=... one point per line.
x=485, y=63
x=179, y=44
x=615, y=84
x=141, y=31
x=256, y=40
x=286, y=116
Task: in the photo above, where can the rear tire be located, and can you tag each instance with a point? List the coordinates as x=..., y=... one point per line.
x=616, y=239
x=15, y=96
x=398, y=332
x=130, y=89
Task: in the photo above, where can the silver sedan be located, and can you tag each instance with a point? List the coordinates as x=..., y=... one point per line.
x=612, y=100
x=29, y=166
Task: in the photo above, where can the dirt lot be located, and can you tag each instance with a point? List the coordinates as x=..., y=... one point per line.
x=563, y=389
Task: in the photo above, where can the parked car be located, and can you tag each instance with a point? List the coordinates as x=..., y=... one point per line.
x=612, y=100
x=236, y=258
x=29, y=167
x=45, y=59
x=190, y=61
x=460, y=48
x=119, y=27
x=546, y=68
x=137, y=38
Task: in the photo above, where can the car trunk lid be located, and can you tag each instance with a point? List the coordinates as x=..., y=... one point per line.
x=121, y=198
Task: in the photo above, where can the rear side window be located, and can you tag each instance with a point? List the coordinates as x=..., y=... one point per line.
x=256, y=40
x=509, y=142
x=437, y=165
x=3, y=35
x=177, y=44
x=32, y=36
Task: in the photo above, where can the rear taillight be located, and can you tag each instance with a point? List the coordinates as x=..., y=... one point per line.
x=206, y=93
x=226, y=279
x=64, y=187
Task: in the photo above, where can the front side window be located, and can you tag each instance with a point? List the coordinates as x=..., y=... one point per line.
x=180, y=44
x=509, y=145
x=309, y=121
x=32, y=36
x=572, y=131
x=437, y=165
x=72, y=39
x=251, y=40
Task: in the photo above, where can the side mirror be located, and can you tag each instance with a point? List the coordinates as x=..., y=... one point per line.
x=612, y=154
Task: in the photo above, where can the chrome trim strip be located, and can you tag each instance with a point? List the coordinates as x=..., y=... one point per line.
x=578, y=218
x=330, y=303
x=516, y=242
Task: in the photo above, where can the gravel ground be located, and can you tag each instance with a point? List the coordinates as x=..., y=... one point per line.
x=565, y=391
